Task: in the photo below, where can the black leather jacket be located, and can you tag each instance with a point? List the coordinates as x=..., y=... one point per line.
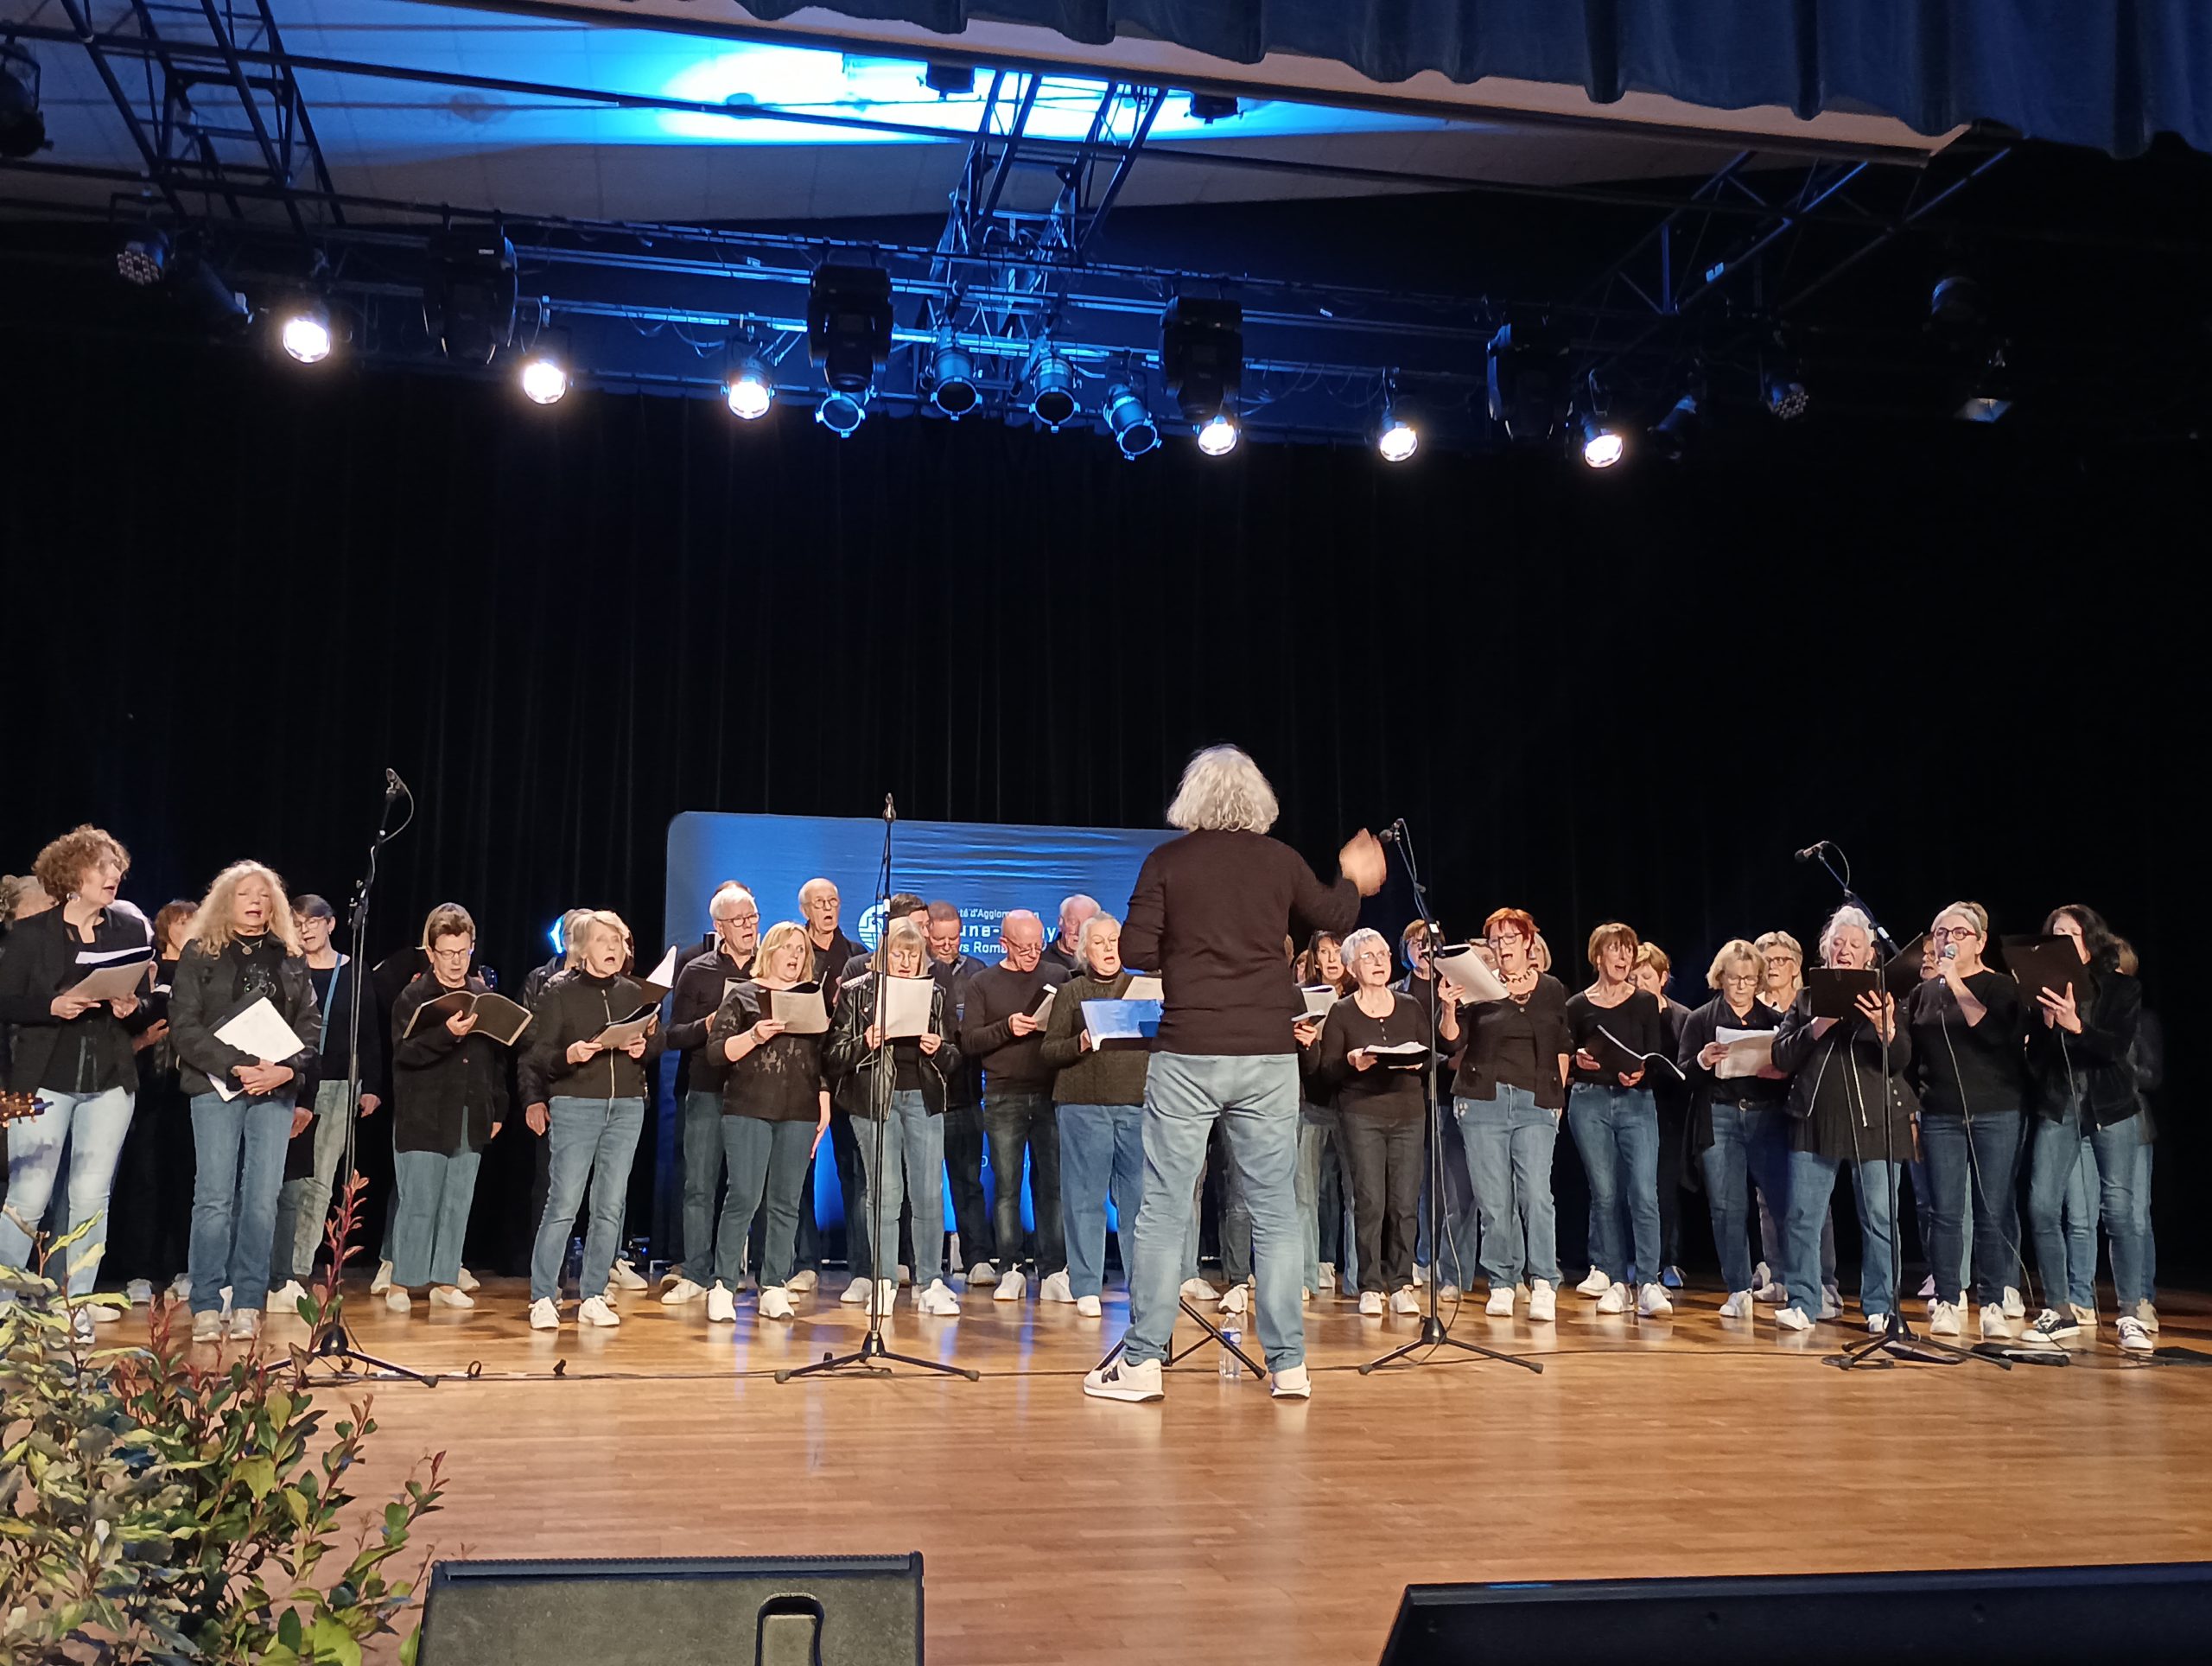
x=204, y=994
x=851, y=1062
x=2096, y=1067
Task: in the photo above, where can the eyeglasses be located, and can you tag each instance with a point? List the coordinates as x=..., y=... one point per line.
x=737, y=919
x=1945, y=933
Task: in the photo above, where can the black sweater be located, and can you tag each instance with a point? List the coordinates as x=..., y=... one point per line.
x=209, y=990
x=1637, y=1024
x=701, y=987
x=1379, y=1093
x=90, y=1052
x=1962, y=1069
x=1113, y=1077
x=448, y=1091
x=1210, y=913
x=1012, y=1064
x=1502, y=1042
x=781, y=1081
x=575, y=1007
x=1699, y=1030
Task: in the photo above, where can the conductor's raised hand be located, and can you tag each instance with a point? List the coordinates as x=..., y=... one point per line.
x=1361, y=861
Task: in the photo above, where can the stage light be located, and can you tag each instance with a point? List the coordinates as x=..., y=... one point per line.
x=950, y=381
x=1212, y=107
x=1202, y=355
x=544, y=378
x=1601, y=446
x=305, y=332
x=143, y=258
x=1672, y=434
x=1217, y=437
x=749, y=388
x=1530, y=385
x=848, y=325
x=1988, y=390
x=840, y=412
x=1396, y=439
x=469, y=305
x=1053, y=399
x=1130, y=422
x=1784, y=395
x=208, y=295
x=23, y=125
x=1958, y=302
x=950, y=81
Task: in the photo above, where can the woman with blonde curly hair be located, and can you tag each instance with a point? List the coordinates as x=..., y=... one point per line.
x=244, y=948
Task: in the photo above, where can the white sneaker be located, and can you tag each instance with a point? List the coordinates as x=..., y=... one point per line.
x=100, y=1313
x=722, y=1305
x=939, y=1302
x=856, y=1293
x=2014, y=1307
x=799, y=1283
x=1404, y=1301
x=1088, y=1307
x=886, y=1296
x=1993, y=1327
x=1420, y=1275
x=677, y=1294
x=382, y=1281
x=1766, y=1290
x=1011, y=1286
x=1739, y=1306
x=1597, y=1284
x=467, y=1281
x=180, y=1287
x=286, y=1298
x=207, y=1326
x=1328, y=1284
x=1198, y=1290
x=140, y=1292
x=906, y=1275
x=245, y=1324
x=983, y=1273
x=1447, y=1291
x=450, y=1296
x=1651, y=1301
x=598, y=1311
x=397, y=1299
x=1371, y=1304
x=1120, y=1380
x=624, y=1276
x=544, y=1314
x=1292, y=1384
x=1055, y=1288
x=1543, y=1302
x=2133, y=1336
x=1942, y=1319
x=1237, y=1299
x=2146, y=1315
x=1792, y=1319
x=1615, y=1300
x=1877, y=1324
x=1500, y=1305
x=775, y=1303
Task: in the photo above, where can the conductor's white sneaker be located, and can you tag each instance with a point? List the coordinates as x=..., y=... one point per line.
x=1120, y=1380
x=596, y=1311
x=544, y=1314
x=1012, y=1286
x=1237, y=1299
x=1293, y=1383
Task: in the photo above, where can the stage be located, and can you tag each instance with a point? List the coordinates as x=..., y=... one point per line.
x=1224, y=1524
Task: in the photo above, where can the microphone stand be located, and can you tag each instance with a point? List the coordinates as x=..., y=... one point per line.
x=335, y=1345
x=1434, y=1334
x=862, y=1361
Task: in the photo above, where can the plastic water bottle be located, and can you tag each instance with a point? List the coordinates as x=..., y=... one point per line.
x=1230, y=1367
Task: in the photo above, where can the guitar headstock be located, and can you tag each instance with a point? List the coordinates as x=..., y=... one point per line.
x=17, y=1106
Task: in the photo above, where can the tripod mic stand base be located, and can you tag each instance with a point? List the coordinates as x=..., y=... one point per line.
x=337, y=1350
x=1432, y=1336
x=1899, y=1342
x=862, y=1361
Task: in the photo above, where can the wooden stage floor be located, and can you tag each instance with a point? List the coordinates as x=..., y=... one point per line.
x=1222, y=1524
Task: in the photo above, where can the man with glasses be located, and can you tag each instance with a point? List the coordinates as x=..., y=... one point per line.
x=1000, y=1031
x=963, y=1100
x=700, y=987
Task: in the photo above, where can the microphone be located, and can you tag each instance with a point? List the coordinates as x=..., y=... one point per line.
x=393, y=786
x=1388, y=836
x=889, y=813
x=1812, y=850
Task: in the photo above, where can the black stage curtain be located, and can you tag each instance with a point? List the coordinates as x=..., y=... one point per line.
x=2109, y=73
x=239, y=593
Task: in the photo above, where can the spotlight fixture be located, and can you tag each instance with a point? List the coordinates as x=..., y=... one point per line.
x=1672, y=434
x=841, y=413
x=545, y=378
x=1958, y=302
x=208, y=295
x=749, y=387
x=949, y=80
x=1395, y=438
x=23, y=125
x=1602, y=447
x=950, y=379
x=1212, y=107
x=1784, y=394
x=848, y=325
x=1202, y=354
x=469, y=303
x=1530, y=384
x=143, y=258
x=305, y=331
x=1987, y=392
x=1129, y=421
x=1217, y=436
x=1053, y=399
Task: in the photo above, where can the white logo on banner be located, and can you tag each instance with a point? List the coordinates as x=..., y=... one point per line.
x=871, y=926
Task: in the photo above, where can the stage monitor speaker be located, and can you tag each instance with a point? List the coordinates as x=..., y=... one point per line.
x=740, y=1611
x=2146, y=1615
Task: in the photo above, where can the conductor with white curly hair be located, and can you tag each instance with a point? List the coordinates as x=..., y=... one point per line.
x=1209, y=913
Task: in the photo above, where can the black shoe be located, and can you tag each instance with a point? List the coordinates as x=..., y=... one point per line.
x=2054, y=1326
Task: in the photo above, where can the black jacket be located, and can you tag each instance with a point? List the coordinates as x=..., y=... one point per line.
x=206, y=994
x=701, y=986
x=964, y=1088
x=575, y=1007
x=446, y=1090
x=851, y=1062
x=334, y=1059
x=1836, y=1087
x=90, y=1051
x=1699, y=1030
x=2096, y=1067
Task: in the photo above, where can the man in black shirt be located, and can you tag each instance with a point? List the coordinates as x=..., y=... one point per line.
x=1000, y=1031
x=1066, y=951
x=963, y=1100
x=697, y=995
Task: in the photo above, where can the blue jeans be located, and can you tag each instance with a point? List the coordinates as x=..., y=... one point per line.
x=1255, y=1099
x=1018, y=1123
x=436, y=1190
x=1102, y=1151
x=1456, y=1263
x=2146, y=1240
x=93, y=1126
x=768, y=1165
x=963, y=1176
x=238, y=1149
x=593, y=1139
x=1812, y=1183
x=914, y=1167
x=702, y=1173
x=2063, y=1152
x=1317, y=1150
x=303, y=1205
x=1747, y=1141
x=1616, y=1131
x=1974, y=1159
x=1509, y=1139
x=1236, y=1224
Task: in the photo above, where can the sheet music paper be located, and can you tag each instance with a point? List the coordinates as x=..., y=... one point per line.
x=1318, y=998
x=1143, y=987
x=1469, y=973
x=663, y=976
x=1750, y=1051
x=1042, y=1012
x=260, y=1030
x=1123, y=1023
x=115, y=977
x=1400, y=1055
x=907, y=1007
x=1626, y=1059
x=800, y=1010
x=633, y=1028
